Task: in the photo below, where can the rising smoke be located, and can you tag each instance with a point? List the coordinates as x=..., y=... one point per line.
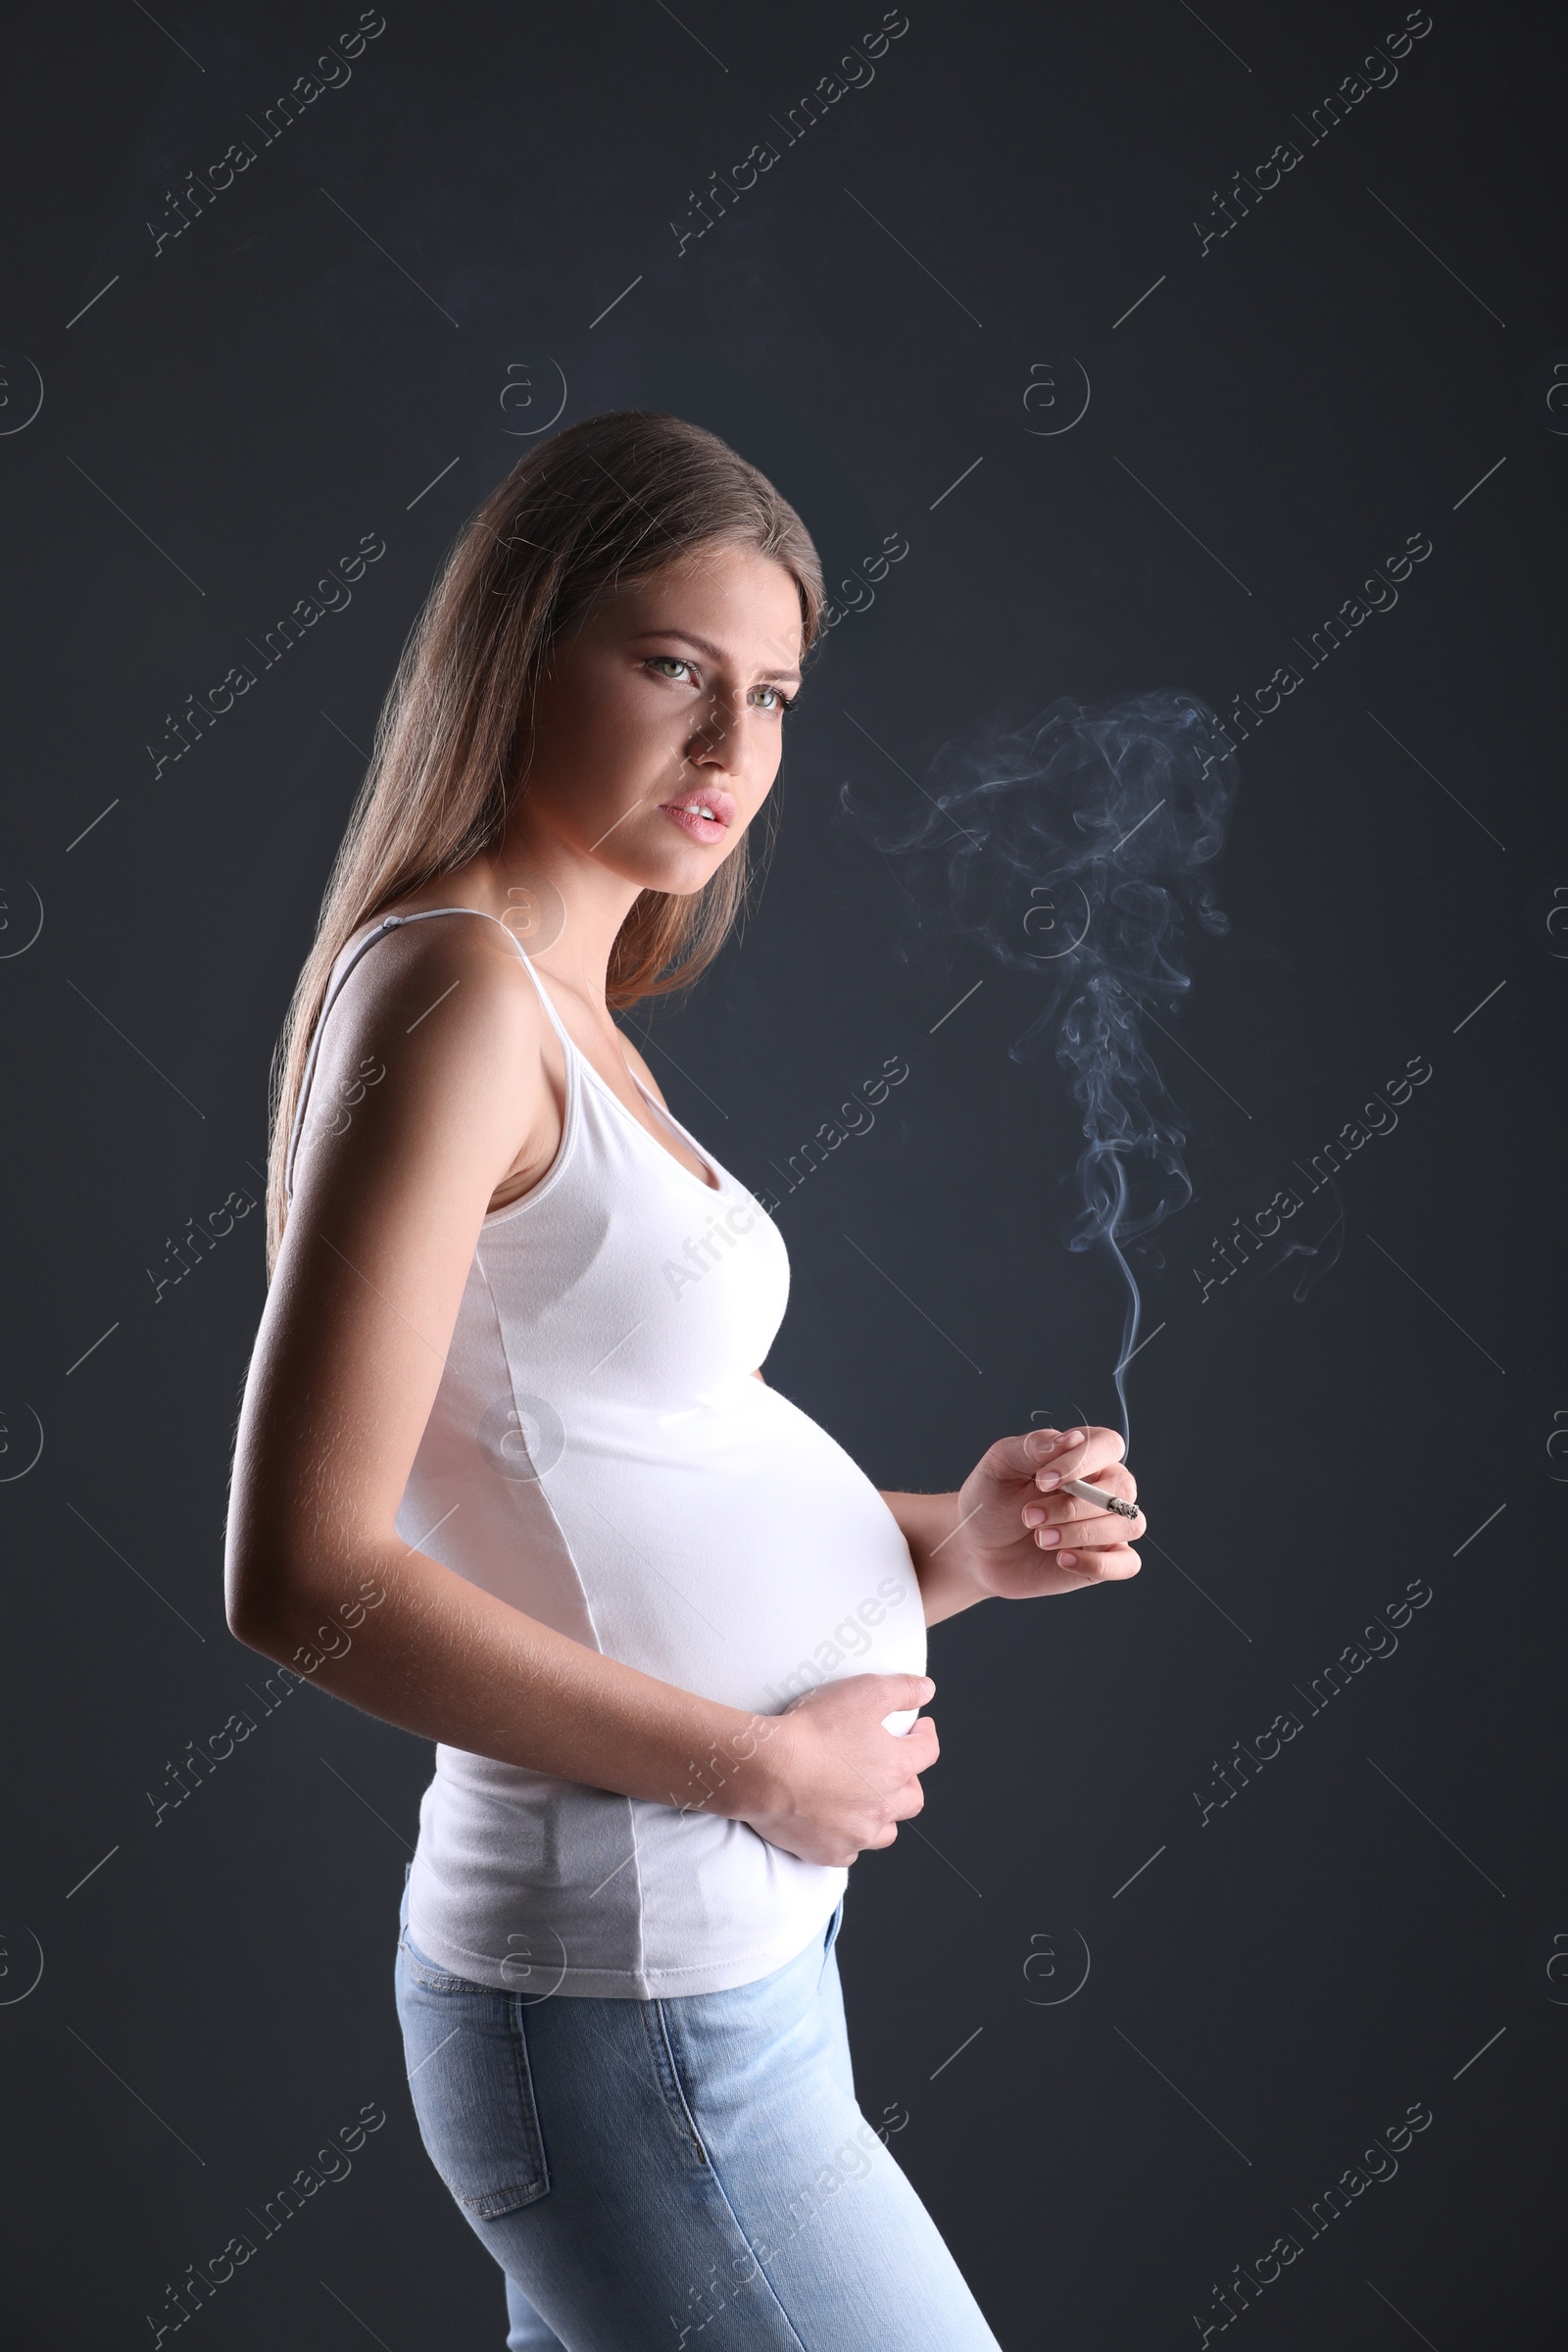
x=1074, y=849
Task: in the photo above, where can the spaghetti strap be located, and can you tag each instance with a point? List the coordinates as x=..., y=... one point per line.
x=555, y=1019
x=393, y=922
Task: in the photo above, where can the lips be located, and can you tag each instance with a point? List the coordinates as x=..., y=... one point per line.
x=705, y=816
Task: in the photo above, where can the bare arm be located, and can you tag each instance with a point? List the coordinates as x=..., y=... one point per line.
x=928, y=1523
x=386, y=1219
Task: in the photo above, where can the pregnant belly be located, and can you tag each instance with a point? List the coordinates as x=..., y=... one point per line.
x=737, y=1550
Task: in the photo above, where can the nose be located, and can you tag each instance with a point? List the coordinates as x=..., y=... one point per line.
x=713, y=738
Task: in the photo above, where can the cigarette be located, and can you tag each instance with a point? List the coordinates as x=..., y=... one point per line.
x=1097, y=1494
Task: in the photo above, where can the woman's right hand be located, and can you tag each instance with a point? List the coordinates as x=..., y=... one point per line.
x=831, y=1780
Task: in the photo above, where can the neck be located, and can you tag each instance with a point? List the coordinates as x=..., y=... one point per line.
x=573, y=904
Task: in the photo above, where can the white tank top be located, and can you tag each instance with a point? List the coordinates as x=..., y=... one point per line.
x=599, y=1456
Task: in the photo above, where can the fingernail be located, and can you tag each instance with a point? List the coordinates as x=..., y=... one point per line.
x=1044, y=1444
x=1075, y=1437
x=1049, y=1535
x=1067, y=1560
x=1034, y=1515
x=1048, y=1478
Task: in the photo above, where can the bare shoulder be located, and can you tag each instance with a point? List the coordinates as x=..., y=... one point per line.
x=463, y=948
x=458, y=981
x=432, y=1045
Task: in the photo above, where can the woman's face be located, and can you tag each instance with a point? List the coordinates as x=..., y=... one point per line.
x=659, y=724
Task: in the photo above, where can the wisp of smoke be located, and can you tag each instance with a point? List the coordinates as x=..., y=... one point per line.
x=1074, y=848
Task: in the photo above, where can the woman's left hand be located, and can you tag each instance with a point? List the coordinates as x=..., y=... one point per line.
x=1020, y=1537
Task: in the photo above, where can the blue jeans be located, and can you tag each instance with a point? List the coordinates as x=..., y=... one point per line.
x=651, y=2173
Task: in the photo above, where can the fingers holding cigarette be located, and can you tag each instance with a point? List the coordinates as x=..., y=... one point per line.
x=1098, y=1512
x=1099, y=1497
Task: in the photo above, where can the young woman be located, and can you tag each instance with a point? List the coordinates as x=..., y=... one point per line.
x=507, y=1474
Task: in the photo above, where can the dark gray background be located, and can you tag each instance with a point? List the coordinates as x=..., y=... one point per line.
x=1277, y=416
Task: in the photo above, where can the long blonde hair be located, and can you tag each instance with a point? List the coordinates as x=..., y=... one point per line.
x=601, y=505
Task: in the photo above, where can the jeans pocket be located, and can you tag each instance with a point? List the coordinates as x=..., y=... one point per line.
x=472, y=2087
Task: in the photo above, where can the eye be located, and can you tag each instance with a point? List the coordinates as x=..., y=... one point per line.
x=781, y=702
x=672, y=662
